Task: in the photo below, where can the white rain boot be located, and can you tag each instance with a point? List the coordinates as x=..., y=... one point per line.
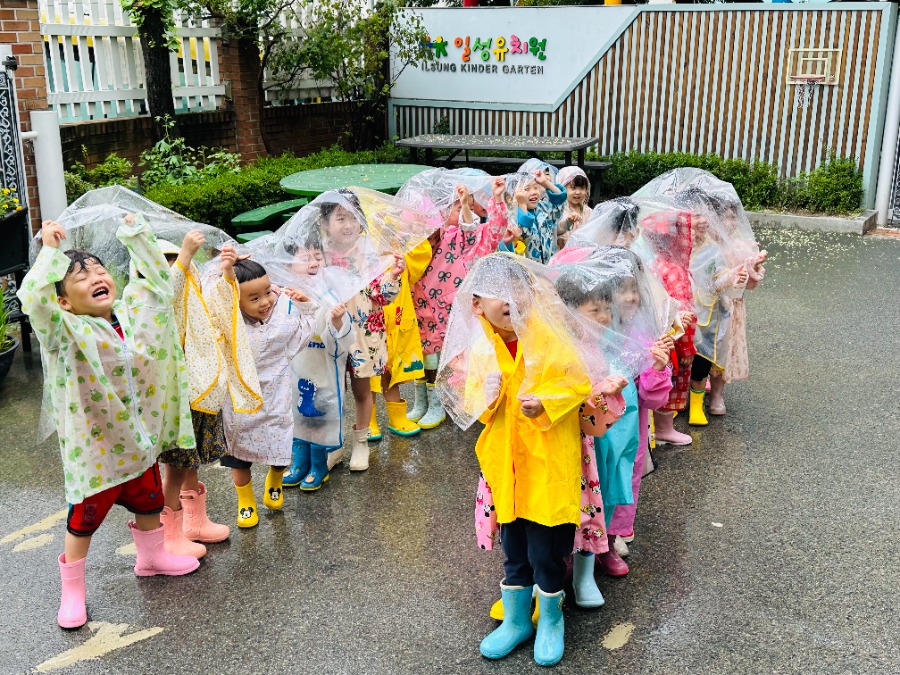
x=335, y=457
x=420, y=402
x=435, y=414
x=359, y=456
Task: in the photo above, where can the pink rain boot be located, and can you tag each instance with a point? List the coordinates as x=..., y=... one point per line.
x=664, y=424
x=197, y=525
x=611, y=562
x=72, y=611
x=173, y=534
x=717, y=395
x=152, y=557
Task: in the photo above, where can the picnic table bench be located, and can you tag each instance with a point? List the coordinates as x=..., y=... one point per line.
x=464, y=143
x=268, y=215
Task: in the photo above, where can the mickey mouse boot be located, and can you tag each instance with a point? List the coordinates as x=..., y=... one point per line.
x=274, y=495
x=72, y=610
x=318, y=472
x=397, y=420
x=197, y=525
x=435, y=415
x=516, y=627
x=152, y=557
x=299, y=464
x=248, y=515
x=550, y=641
x=173, y=534
x=420, y=402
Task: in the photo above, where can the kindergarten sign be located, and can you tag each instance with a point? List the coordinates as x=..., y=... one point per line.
x=508, y=55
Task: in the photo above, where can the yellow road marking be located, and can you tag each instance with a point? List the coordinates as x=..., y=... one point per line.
x=127, y=549
x=34, y=542
x=107, y=638
x=618, y=636
x=40, y=526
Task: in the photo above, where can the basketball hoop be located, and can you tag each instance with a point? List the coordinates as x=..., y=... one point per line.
x=806, y=86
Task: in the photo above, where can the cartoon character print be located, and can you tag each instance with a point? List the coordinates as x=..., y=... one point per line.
x=590, y=534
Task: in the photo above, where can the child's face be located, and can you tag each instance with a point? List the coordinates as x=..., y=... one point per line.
x=257, y=298
x=89, y=290
x=628, y=299
x=699, y=226
x=342, y=227
x=497, y=313
x=598, y=311
x=307, y=261
x=532, y=194
x=577, y=195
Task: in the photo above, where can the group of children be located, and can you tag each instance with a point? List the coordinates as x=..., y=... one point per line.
x=504, y=300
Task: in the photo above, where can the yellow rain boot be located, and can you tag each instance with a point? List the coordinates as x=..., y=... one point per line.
x=696, y=416
x=397, y=421
x=247, y=515
x=498, y=614
x=374, y=429
x=274, y=496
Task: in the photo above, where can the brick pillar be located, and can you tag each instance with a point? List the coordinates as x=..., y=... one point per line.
x=20, y=25
x=239, y=67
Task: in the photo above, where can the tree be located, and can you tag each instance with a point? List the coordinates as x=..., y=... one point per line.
x=156, y=28
x=362, y=52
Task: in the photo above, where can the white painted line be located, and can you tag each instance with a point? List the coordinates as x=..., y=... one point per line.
x=618, y=636
x=127, y=549
x=34, y=542
x=107, y=638
x=40, y=526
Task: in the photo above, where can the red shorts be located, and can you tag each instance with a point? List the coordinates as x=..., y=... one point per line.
x=142, y=495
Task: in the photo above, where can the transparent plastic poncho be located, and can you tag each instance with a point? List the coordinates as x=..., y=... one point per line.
x=617, y=278
x=546, y=329
x=535, y=164
x=338, y=243
x=611, y=223
x=91, y=222
x=717, y=201
x=436, y=189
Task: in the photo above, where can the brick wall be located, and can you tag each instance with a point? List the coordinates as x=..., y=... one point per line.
x=304, y=129
x=20, y=26
x=130, y=136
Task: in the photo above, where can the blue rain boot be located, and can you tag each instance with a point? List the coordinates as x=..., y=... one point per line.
x=306, y=404
x=516, y=627
x=318, y=472
x=587, y=595
x=299, y=464
x=549, y=643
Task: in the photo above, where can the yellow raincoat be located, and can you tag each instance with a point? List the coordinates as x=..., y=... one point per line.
x=404, y=342
x=214, y=340
x=534, y=465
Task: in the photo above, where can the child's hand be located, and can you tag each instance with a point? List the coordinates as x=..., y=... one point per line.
x=666, y=342
x=492, y=385
x=462, y=194
x=542, y=179
x=741, y=276
x=227, y=258
x=129, y=219
x=276, y=289
x=295, y=295
x=193, y=240
x=660, y=357
x=521, y=198
x=574, y=219
x=399, y=266
x=688, y=318
x=337, y=316
x=612, y=385
x=531, y=407
x=498, y=187
x=52, y=233
x=512, y=233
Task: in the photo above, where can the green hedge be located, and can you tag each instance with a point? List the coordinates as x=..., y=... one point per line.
x=217, y=200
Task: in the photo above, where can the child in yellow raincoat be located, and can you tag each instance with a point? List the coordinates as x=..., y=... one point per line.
x=509, y=329
x=219, y=363
x=404, y=346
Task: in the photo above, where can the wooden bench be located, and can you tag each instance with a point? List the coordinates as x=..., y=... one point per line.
x=266, y=216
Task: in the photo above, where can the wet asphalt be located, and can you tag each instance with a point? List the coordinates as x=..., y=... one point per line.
x=769, y=546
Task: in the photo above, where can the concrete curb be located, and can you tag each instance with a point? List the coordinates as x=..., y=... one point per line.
x=858, y=225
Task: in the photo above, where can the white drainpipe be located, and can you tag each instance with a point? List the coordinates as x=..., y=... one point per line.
x=889, y=139
x=48, y=162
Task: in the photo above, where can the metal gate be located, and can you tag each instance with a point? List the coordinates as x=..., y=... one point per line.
x=12, y=169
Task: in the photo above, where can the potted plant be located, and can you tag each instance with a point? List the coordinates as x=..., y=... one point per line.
x=8, y=342
x=13, y=231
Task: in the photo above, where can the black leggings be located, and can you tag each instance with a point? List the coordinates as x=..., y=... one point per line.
x=701, y=368
x=536, y=554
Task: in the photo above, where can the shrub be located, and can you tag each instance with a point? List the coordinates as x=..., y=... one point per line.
x=171, y=161
x=76, y=186
x=835, y=186
x=113, y=170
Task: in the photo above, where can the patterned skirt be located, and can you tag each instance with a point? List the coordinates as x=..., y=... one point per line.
x=210, y=434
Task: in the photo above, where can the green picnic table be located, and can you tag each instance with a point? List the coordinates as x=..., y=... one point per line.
x=382, y=177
